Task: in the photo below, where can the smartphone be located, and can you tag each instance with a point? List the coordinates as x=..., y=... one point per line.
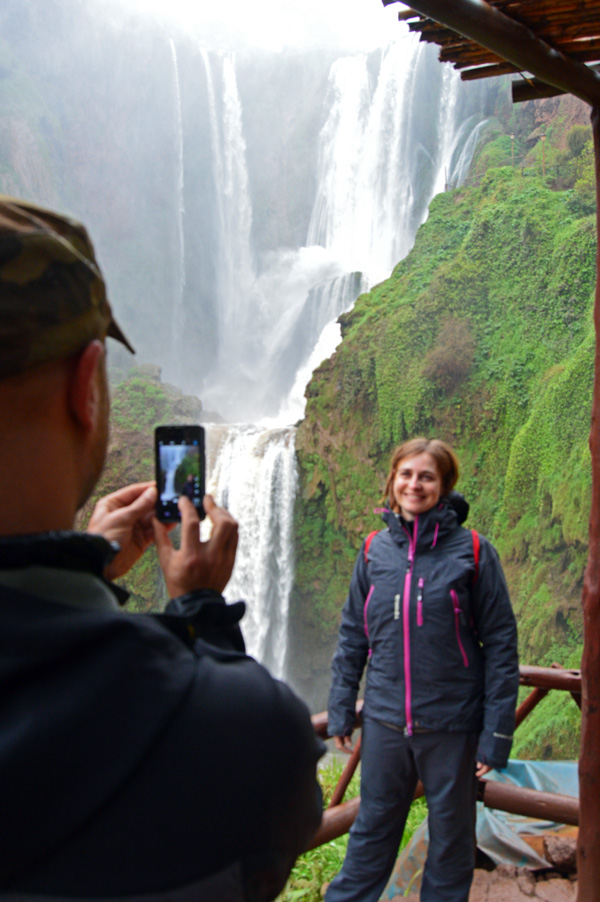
x=180, y=469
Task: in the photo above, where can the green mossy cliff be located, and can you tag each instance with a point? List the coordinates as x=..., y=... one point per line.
x=482, y=336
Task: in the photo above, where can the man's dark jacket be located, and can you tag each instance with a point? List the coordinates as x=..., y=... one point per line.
x=138, y=759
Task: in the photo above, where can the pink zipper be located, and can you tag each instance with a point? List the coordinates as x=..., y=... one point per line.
x=367, y=600
x=412, y=544
x=420, y=602
x=457, y=613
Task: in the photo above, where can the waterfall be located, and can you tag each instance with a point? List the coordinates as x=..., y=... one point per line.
x=234, y=211
x=447, y=127
x=178, y=323
x=463, y=150
x=252, y=472
x=367, y=209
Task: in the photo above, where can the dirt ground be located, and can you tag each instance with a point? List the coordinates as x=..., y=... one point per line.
x=510, y=884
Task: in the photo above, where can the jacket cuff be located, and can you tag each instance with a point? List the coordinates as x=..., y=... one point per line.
x=205, y=615
x=494, y=749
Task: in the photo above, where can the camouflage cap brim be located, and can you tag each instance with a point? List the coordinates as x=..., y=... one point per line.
x=52, y=293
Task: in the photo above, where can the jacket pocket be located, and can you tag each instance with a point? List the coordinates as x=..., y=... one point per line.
x=458, y=616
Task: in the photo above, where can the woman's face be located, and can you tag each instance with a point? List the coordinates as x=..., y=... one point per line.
x=417, y=485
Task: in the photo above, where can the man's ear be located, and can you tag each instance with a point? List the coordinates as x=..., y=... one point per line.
x=85, y=392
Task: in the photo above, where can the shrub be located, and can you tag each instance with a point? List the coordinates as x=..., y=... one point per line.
x=450, y=360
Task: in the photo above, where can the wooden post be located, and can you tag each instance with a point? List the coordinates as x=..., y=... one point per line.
x=588, y=851
x=347, y=774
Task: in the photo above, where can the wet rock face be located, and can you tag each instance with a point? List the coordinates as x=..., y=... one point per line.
x=509, y=884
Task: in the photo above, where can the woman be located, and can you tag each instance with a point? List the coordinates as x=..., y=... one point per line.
x=428, y=609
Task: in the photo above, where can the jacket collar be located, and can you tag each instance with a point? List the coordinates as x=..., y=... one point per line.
x=431, y=526
x=67, y=550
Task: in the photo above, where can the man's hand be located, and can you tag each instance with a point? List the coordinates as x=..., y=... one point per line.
x=197, y=565
x=125, y=517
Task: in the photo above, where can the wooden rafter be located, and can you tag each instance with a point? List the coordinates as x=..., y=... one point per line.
x=557, y=37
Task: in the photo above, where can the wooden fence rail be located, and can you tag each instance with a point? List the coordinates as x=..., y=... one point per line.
x=340, y=815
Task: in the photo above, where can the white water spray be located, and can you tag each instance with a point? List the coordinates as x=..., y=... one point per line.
x=253, y=474
x=178, y=312
x=364, y=212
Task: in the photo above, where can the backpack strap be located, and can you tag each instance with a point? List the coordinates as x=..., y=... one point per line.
x=368, y=541
x=475, y=536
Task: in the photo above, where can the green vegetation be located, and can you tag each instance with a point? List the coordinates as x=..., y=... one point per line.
x=319, y=866
x=483, y=336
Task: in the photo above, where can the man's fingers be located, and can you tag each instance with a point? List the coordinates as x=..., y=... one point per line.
x=162, y=541
x=140, y=496
x=190, y=524
x=146, y=501
x=129, y=494
x=208, y=502
x=142, y=505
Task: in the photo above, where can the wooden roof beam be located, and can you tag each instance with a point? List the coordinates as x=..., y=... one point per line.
x=516, y=43
x=534, y=89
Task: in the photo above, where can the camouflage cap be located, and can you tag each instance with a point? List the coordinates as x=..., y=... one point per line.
x=52, y=294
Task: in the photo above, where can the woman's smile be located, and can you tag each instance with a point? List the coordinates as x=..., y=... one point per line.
x=417, y=485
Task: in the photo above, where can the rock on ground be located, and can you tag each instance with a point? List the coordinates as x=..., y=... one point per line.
x=509, y=884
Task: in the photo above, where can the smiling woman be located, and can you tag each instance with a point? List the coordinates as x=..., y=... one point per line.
x=428, y=610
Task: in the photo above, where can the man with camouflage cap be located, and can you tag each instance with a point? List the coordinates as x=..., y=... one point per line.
x=135, y=760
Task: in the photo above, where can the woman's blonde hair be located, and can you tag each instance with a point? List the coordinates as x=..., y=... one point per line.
x=444, y=457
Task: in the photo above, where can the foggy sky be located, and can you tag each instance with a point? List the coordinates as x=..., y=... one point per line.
x=275, y=24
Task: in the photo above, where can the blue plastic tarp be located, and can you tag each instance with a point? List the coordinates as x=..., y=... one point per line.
x=499, y=834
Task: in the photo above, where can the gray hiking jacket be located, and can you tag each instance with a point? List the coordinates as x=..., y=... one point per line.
x=439, y=641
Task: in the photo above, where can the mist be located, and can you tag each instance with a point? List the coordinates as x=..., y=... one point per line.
x=239, y=199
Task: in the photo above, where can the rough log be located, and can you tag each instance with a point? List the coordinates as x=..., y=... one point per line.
x=347, y=774
x=336, y=821
x=550, y=678
x=527, y=706
x=546, y=806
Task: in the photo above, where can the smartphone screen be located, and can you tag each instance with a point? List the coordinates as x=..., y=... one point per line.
x=179, y=456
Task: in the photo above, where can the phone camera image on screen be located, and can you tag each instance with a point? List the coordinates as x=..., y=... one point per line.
x=179, y=469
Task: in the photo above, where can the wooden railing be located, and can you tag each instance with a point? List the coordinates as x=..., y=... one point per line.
x=340, y=815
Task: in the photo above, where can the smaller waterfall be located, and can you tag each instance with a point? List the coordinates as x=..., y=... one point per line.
x=178, y=316
x=463, y=150
x=251, y=471
x=447, y=126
